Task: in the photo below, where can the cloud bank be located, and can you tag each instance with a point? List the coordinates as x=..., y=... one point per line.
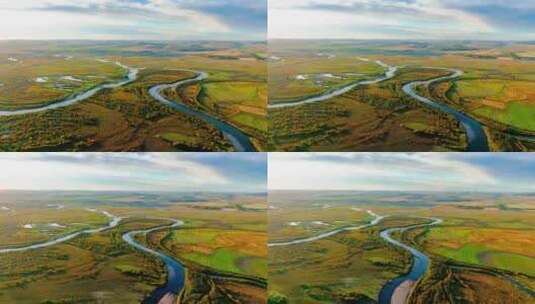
x=402, y=172
x=134, y=19
x=402, y=19
x=220, y=172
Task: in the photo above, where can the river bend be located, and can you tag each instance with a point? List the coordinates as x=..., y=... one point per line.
x=477, y=139
x=175, y=270
x=239, y=140
x=390, y=294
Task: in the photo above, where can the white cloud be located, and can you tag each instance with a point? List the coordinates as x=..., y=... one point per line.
x=372, y=19
x=376, y=171
x=108, y=171
x=105, y=19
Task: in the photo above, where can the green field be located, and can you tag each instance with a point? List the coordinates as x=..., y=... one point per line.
x=234, y=251
x=516, y=114
x=497, y=245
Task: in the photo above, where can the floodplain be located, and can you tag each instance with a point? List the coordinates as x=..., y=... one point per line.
x=401, y=95
x=344, y=247
x=95, y=96
x=132, y=247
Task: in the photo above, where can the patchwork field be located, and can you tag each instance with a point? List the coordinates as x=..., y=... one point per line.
x=235, y=91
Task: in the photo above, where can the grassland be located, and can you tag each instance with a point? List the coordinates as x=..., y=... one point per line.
x=101, y=267
x=496, y=90
x=488, y=237
x=124, y=119
x=128, y=118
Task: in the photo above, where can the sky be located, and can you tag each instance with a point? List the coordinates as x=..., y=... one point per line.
x=402, y=19
x=455, y=172
x=174, y=172
x=133, y=19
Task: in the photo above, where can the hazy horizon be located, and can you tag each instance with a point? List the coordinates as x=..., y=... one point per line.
x=134, y=191
x=138, y=40
x=398, y=191
x=402, y=40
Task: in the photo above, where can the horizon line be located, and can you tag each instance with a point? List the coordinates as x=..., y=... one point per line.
x=406, y=191
x=137, y=40
x=129, y=191
x=405, y=39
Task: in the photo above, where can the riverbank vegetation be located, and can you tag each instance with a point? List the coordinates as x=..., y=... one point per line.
x=234, y=97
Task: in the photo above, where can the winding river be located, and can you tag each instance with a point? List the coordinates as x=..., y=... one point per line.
x=239, y=140
x=377, y=219
x=397, y=290
x=175, y=270
x=113, y=223
x=390, y=73
x=131, y=76
x=477, y=139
